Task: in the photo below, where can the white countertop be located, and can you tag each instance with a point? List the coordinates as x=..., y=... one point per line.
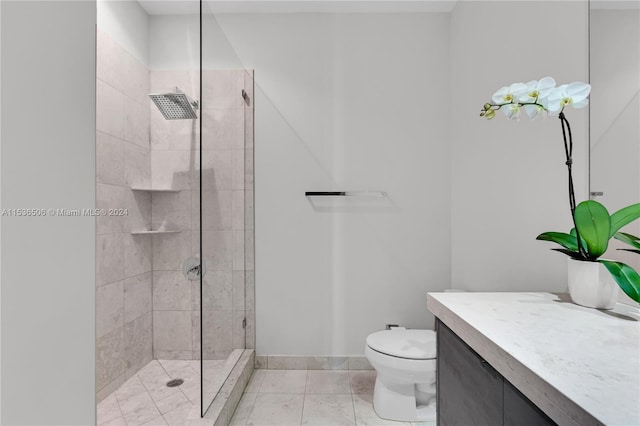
x=580, y=366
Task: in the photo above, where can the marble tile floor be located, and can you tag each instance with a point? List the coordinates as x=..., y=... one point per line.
x=313, y=397
x=145, y=399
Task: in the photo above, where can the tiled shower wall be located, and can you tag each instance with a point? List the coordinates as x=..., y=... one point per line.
x=123, y=264
x=173, y=165
x=175, y=159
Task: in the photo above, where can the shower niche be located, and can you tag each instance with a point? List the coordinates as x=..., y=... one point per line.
x=174, y=150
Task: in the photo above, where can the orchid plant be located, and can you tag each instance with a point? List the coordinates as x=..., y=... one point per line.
x=593, y=225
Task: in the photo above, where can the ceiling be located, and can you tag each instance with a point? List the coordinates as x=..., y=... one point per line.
x=181, y=7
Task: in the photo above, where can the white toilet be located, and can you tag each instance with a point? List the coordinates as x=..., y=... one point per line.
x=405, y=361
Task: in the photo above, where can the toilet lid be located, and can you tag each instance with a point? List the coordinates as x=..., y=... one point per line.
x=411, y=344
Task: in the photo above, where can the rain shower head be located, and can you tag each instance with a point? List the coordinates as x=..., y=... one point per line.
x=175, y=105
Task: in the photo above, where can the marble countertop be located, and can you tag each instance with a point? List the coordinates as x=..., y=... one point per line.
x=581, y=366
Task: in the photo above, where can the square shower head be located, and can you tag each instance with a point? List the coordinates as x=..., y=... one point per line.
x=175, y=105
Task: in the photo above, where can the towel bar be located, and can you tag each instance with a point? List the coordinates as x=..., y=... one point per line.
x=344, y=194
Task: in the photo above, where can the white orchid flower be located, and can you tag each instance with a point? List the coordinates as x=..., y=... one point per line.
x=508, y=94
x=538, y=90
x=534, y=111
x=574, y=94
x=512, y=111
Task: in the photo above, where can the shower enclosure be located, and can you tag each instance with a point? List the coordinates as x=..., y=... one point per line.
x=174, y=284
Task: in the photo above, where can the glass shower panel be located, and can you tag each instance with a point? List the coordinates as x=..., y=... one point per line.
x=223, y=162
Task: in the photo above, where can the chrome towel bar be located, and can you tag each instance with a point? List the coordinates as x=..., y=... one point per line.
x=344, y=194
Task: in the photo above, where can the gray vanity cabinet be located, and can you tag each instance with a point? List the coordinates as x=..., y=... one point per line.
x=519, y=411
x=471, y=392
x=469, y=389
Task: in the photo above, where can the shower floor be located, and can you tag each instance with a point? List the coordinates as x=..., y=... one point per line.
x=145, y=399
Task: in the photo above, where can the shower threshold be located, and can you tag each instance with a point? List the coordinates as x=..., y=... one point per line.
x=145, y=398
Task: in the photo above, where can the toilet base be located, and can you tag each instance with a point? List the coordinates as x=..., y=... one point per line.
x=394, y=401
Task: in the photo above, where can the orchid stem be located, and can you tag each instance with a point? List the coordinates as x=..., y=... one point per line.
x=568, y=149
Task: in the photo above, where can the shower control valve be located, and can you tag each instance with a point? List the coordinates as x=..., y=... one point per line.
x=192, y=268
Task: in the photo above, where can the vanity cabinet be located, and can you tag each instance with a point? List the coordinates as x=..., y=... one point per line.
x=471, y=392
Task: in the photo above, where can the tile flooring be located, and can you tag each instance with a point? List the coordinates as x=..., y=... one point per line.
x=146, y=400
x=313, y=397
x=272, y=397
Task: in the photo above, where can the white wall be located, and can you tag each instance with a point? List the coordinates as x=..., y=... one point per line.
x=508, y=178
x=351, y=101
x=615, y=132
x=128, y=24
x=48, y=263
x=175, y=43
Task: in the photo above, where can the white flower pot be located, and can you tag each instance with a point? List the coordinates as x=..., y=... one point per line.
x=591, y=285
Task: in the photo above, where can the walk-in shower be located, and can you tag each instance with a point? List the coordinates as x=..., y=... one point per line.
x=174, y=289
x=175, y=105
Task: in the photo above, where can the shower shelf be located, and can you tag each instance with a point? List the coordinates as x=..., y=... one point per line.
x=133, y=188
x=159, y=231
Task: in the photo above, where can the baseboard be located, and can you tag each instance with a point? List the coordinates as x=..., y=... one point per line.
x=285, y=362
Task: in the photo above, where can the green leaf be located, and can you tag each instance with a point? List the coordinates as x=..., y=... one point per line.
x=626, y=277
x=624, y=217
x=565, y=240
x=573, y=254
x=594, y=225
x=632, y=240
x=633, y=237
x=631, y=250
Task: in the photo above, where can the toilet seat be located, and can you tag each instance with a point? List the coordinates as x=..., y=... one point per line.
x=408, y=344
